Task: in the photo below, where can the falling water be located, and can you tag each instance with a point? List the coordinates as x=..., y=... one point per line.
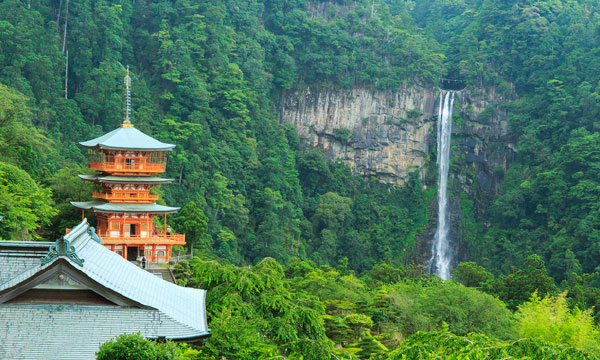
x=441, y=254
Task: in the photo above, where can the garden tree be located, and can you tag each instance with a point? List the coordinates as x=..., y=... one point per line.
x=369, y=346
x=445, y=345
x=549, y=319
x=472, y=275
x=136, y=347
x=255, y=313
x=358, y=324
x=363, y=319
x=24, y=204
x=517, y=287
x=192, y=222
x=424, y=307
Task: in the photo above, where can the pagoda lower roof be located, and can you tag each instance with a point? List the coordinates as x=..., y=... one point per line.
x=105, y=206
x=126, y=179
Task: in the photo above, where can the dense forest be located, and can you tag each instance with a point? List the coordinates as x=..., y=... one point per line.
x=302, y=258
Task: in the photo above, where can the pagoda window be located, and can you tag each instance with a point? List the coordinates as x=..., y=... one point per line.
x=144, y=229
x=160, y=253
x=115, y=229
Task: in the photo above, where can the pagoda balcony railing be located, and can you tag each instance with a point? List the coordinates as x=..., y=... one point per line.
x=119, y=167
x=159, y=239
x=126, y=197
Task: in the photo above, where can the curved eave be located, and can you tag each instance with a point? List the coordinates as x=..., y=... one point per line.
x=127, y=138
x=107, y=207
x=191, y=339
x=126, y=179
x=102, y=146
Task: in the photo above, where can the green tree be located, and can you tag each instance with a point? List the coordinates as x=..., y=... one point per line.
x=549, y=319
x=471, y=275
x=25, y=206
x=192, y=222
x=136, y=347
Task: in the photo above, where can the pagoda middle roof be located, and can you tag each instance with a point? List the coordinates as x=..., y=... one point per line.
x=127, y=138
x=126, y=179
x=105, y=206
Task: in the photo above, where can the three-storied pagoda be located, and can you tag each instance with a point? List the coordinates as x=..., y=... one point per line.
x=127, y=161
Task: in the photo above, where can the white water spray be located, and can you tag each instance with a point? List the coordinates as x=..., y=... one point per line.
x=441, y=254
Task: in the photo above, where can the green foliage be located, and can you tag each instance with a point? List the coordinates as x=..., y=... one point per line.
x=517, y=287
x=135, y=347
x=24, y=204
x=191, y=221
x=472, y=275
x=254, y=314
x=549, y=319
x=444, y=345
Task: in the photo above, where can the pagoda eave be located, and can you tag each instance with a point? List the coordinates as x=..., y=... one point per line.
x=101, y=178
x=108, y=207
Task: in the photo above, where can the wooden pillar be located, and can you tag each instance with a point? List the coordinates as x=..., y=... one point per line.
x=165, y=230
x=82, y=214
x=154, y=253
x=125, y=251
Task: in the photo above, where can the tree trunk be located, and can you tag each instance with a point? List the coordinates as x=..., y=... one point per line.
x=66, y=24
x=58, y=17
x=67, y=75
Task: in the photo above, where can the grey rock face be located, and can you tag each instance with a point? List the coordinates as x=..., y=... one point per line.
x=382, y=133
x=389, y=133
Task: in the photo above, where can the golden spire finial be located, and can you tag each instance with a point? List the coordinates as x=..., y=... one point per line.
x=127, y=81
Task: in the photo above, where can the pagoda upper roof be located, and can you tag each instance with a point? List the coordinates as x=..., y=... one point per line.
x=105, y=206
x=126, y=179
x=127, y=138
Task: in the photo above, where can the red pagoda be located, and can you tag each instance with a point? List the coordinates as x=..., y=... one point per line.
x=127, y=161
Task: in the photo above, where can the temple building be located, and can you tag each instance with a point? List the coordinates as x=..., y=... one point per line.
x=63, y=300
x=127, y=161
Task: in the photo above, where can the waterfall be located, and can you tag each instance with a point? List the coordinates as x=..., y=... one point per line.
x=441, y=254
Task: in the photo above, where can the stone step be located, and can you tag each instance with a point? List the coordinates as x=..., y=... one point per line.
x=161, y=272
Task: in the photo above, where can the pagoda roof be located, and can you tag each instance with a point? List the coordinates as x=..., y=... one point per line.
x=144, y=303
x=126, y=179
x=127, y=138
x=105, y=206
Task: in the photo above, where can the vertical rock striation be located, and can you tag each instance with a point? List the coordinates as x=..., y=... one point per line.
x=381, y=133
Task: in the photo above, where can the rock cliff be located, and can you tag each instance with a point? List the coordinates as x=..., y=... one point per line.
x=381, y=133
x=390, y=133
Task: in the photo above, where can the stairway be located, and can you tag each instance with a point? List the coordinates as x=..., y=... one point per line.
x=161, y=272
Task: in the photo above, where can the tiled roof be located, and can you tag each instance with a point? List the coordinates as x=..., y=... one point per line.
x=127, y=138
x=126, y=179
x=72, y=332
x=100, y=205
x=76, y=331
